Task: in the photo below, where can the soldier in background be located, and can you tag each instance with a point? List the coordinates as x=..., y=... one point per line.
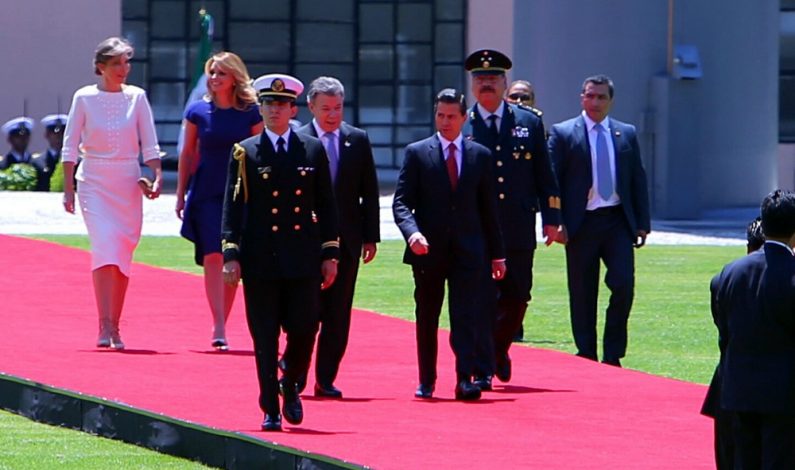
x=45, y=162
x=18, y=132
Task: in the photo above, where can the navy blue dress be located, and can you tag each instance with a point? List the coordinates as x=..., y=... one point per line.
x=218, y=130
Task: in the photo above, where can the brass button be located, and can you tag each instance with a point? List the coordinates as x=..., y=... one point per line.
x=297, y=192
x=274, y=211
x=528, y=156
x=265, y=176
x=297, y=227
x=502, y=196
x=497, y=148
x=276, y=194
x=500, y=179
x=499, y=162
x=297, y=210
x=303, y=172
x=275, y=228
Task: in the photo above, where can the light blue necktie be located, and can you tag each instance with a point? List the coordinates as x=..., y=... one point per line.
x=603, y=173
x=331, y=150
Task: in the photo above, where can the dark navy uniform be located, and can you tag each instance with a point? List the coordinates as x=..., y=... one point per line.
x=280, y=222
x=18, y=132
x=45, y=164
x=525, y=184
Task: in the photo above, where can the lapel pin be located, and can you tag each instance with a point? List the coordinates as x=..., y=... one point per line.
x=347, y=143
x=618, y=133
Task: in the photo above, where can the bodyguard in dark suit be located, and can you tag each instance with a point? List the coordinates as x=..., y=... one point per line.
x=724, y=444
x=446, y=210
x=356, y=192
x=279, y=230
x=46, y=161
x=754, y=309
x=525, y=185
x=605, y=213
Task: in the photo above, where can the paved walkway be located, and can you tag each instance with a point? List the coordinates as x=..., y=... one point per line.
x=42, y=213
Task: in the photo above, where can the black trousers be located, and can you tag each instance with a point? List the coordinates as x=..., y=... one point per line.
x=763, y=441
x=505, y=309
x=335, y=319
x=603, y=236
x=465, y=303
x=272, y=305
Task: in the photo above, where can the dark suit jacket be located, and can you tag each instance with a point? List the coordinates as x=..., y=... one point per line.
x=355, y=189
x=524, y=180
x=461, y=226
x=712, y=400
x=571, y=156
x=289, y=223
x=754, y=309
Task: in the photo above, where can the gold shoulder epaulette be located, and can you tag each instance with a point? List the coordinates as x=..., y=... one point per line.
x=533, y=110
x=239, y=154
x=331, y=244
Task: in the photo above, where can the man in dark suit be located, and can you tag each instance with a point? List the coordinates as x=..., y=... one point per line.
x=279, y=230
x=753, y=305
x=605, y=213
x=525, y=185
x=724, y=445
x=356, y=192
x=446, y=210
x=45, y=162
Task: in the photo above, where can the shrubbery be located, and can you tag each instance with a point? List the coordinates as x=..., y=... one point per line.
x=18, y=177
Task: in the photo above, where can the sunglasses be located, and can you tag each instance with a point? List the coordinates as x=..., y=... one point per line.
x=519, y=96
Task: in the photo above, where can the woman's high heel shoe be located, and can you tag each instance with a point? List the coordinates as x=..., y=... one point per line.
x=116, y=342
x=220, y=344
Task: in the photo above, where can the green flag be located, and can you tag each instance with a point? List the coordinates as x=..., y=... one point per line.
x=205, y=46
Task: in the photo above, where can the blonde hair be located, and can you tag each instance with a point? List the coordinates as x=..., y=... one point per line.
x=243, y=93
x=110, y=48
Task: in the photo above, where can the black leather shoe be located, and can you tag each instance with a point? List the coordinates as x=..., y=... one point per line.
x=327, y=391
x=301, y=380
x=503, y=371
x=612, y=362
x=292, y=409
x=483, y=382
x=466, y=390
x=424, y=391
x=272, y=423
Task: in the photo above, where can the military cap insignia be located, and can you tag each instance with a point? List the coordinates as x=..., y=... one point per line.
x=486, y=64
x=277, y=85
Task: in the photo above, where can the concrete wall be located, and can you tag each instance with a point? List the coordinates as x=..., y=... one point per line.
x=46, y=55
x=557, y=43
x=490, y=26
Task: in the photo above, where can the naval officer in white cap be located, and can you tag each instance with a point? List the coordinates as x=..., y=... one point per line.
x=279, y=231
x=18, y=132
x=45, y=162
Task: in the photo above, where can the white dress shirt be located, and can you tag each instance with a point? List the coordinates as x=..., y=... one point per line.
x=273, y=137
x=595, y=201
x=485, y=113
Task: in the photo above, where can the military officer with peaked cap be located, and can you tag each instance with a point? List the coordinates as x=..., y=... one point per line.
x=279, y=231
x=18, y=132
x=525, y=184
x=45, y=162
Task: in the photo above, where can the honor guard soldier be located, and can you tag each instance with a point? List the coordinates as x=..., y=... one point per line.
x=18, y=132
x=45, y=162
x=279, y=231
x=525, y=184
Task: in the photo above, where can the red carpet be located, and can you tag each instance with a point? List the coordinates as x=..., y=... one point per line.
x=559, y=412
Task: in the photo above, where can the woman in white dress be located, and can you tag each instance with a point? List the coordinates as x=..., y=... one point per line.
x=106, y=123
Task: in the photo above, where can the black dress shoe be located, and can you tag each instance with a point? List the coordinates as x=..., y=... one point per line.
x=327, y=391
x=272, y=423
x=503, y=371
x=466, y=390
x=483, y=383
x=301, y=380
x=424, y=391
x=292, y=409
x=612, y=362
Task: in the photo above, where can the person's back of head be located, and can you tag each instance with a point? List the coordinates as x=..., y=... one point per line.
x=754, y=236
x=778, y=216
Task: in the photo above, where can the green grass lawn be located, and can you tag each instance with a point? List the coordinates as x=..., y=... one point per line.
x=670, y=330
x=29, y=445
x=671, y=333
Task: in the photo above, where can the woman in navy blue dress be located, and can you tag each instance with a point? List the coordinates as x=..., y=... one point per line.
x=227, y=114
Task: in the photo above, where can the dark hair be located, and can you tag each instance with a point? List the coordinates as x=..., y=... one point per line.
x=754, y=236
x=778, y=214
x=599, y=80
x=452, y=96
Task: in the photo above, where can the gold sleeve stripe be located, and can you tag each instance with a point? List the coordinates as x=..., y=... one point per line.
x=331, y=244
x=554, y=202
x=229, y=246
x=240, y=155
